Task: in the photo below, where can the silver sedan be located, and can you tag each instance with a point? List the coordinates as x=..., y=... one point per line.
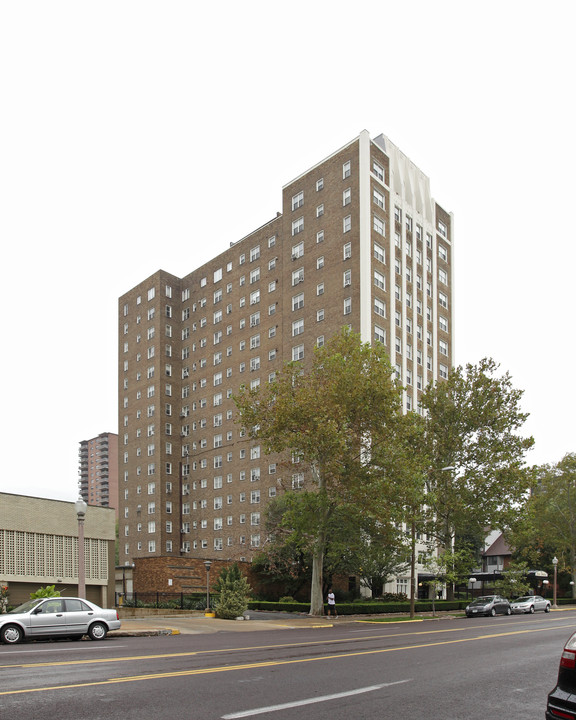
x=57, y=617
x=529, y=604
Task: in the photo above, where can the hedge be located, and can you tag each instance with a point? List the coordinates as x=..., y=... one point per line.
x=359, y=608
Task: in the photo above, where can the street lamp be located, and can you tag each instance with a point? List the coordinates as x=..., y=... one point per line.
x=207, y=565
x=472, y=581
x=81, y=507
x=545, y=583
x=555, y=563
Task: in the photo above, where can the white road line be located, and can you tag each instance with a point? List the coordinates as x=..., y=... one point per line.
x=309, y=701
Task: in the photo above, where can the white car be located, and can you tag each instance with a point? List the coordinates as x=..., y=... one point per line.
x=57, y=617
x=529, y=604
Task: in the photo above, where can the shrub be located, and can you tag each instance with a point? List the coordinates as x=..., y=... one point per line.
x=234, y=592
x=44, y=592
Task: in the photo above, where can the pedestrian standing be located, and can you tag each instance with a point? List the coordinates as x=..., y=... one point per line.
x=331, y=603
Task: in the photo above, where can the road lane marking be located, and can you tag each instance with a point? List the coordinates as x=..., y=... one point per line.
x=163, y=656
x=310, y=701
x=264, y=664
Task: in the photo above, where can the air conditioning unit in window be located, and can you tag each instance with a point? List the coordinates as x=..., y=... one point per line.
x=183, y=549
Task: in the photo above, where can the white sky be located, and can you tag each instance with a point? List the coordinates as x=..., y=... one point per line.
x=143, y=135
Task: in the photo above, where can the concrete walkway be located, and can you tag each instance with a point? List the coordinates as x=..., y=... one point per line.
x=198, y=624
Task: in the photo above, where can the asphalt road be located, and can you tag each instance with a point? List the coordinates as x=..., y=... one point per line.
x=458, y=669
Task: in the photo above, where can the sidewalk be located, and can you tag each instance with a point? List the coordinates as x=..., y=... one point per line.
x=195, y=625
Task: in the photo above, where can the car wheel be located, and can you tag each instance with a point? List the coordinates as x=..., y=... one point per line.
x=493, y=612
x=508, y=611
x=97, y=631
x=531, y=611
x=11, y=634
x=547, y=608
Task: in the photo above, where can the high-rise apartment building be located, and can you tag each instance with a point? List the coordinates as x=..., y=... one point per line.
x=98, y=470
x=360, y=242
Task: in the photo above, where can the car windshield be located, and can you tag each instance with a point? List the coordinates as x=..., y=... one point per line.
x=524, y=599
x=483, y=600
x=27, y=606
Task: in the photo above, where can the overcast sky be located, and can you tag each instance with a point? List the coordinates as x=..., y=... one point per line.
x=137, y=136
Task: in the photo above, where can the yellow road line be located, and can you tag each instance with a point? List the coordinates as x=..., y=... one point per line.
x=267, y=663
x=279, y=646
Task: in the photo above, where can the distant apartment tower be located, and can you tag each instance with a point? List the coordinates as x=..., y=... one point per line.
x=360, y=242
x=98, y=470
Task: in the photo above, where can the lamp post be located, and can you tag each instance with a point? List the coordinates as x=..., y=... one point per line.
x=545, y=583
x=555, y=563
x=207, y=565
x=81, y=507
x=472, y=581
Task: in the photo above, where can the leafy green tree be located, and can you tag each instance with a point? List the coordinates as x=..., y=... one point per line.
x=234, y=591
x=551, y=515
x=331, y=414
x=45, y=592
x=477, y=477
x=448, y=568
x=514, y=581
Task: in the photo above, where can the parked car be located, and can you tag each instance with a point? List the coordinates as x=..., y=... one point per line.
x=57, y=617
x=488, y=605
x=562, y=700
x=529, y=604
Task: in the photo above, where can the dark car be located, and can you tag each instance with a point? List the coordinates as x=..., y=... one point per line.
x=57, y=617
x=488, y=605
x=562, y=700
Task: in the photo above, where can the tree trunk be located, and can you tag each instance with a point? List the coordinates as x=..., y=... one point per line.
x=412, y=569
x=316, y=595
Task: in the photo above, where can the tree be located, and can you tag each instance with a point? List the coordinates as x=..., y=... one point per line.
x=329, y=415
x=448, y=568
x=551, y=513
x=477, y=477
x=234, y=591
x=514, y=580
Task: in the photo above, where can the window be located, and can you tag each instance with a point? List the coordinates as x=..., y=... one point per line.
x=347, y=306
x=347, y=197
x=378, y=225
x=442, y=229
x=347, y=224
x=320, y=210
x=443, y=347
x=443, y=371
x=320, y=315
x=443, y=276
x=347, y=251
x=347, y=278
x=398, y=318
x=298, y=353
x=346, y=170
x=297, y=327
x=443, y=299
x=297, y=250
x=320, y=289
x=319, y=184
x=379, y=307
x=397, y=214
x=254, y=277
x=297, y=276
x=320, y=236
x=297, y=200
x=379, y=280
x=443, y=323
x=378, y=170
x=442, y=252
x=297, y=226
x=320, y=262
